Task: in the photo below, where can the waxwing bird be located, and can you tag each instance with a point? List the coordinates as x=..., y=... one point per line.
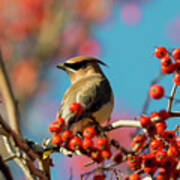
x=90, y=88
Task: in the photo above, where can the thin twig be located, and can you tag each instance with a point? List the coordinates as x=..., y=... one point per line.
x=9, y=158
x=171, y=97
x=116, y=174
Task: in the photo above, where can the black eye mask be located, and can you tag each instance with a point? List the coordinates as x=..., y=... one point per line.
x=77, y=65
x=82, y=64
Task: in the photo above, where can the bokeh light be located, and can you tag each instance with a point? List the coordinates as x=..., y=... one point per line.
x=130, y=14
x=173, y=29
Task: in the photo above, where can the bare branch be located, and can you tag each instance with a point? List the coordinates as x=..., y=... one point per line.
x=122, y=123
x=17, y=160
x=19, y=142
x=13, y=117
x=8, y=97
x=3, y=132
x=5, y=170
x=28, y=156
x=9, y=158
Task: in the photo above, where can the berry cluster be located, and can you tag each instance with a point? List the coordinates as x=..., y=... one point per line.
x=60, y=134
x=167, y=64
x=156, y=152
x=156, y=91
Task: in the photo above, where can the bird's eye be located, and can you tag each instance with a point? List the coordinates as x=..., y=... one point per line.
x=76, y=66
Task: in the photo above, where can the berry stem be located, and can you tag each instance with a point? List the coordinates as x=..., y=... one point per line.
x=171, y=97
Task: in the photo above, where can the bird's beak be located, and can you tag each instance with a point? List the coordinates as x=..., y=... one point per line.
x=61, y=66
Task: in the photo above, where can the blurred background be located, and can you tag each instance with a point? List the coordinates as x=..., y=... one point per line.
x=35, y=35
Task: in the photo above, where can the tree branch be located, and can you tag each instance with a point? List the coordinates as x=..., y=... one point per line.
x=171, y=97
x=122, y=123
x=5, y=170
x=8, y=98
x=18, y=141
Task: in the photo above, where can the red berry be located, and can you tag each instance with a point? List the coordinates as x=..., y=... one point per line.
x=76, y=108
x=162, y=170
x=161, y=116
x=126, y=178
x=96, y=155
x=148, y=160
x=178, y=142
x=160, y=52
x=66, y=135
x=168, y=69
x=177, y=78
x=177, y=65
x=160, y=127
x=134, y=162
x=172, y=151
x=164, y=114
x=61, y=122
x=156, y=91
x=162, y=176
x=134, y=177
x=154, y=114
x=161, y=156
x=118, y=158
x=54, y=127
x=145, y=121
x=89, y=132
x=170, y=136
x=134, y=166
x=175, y=174
x=98, y=177
x=106, y=154
x=87, y=144
x=156, y=144
x=176, y=54
x=166, y=61
x=151, y=130
x=56, y=140
x=138, y=142
x=134, y=158
x=150, y=170
x=169, y=164
x=102, y=143
x=75, y=143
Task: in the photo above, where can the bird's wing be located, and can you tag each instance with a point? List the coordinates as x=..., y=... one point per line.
x=92, y=92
